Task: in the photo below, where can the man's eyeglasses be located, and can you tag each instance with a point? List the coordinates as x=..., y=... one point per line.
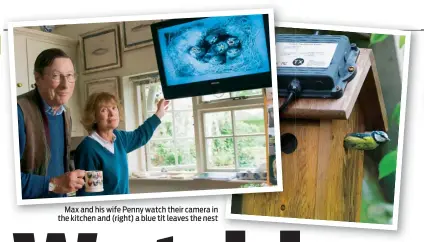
x=57, y=77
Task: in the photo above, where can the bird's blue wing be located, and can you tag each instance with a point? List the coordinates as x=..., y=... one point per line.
x=359, y=135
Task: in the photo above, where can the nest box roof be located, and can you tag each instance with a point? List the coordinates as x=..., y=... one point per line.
x=364, y=88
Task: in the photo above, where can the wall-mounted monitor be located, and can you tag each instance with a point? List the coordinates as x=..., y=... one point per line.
x=202, y=56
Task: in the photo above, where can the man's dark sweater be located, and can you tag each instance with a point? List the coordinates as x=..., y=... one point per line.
x=35, y=186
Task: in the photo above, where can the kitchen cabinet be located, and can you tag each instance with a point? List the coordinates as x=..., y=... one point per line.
x=28, y=44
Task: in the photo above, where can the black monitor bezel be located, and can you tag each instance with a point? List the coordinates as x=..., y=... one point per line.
x=230, y=84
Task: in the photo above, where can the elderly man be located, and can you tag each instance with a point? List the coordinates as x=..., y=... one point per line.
x=45, y=129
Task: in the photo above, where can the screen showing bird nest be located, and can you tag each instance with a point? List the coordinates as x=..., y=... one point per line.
x=214, y=48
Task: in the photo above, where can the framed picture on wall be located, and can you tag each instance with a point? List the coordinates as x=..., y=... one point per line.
x=100, y=50
x=136, y=34
x=109, y=84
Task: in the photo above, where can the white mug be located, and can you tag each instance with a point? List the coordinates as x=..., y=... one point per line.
x=94, y=181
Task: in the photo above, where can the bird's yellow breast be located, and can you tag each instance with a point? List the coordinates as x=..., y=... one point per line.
x=363, y=143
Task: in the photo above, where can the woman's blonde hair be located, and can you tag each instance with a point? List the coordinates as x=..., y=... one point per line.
x=94, y=102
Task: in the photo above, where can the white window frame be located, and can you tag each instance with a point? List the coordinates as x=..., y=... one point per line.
x=229, y=104
x=132, y=108
x=143, y=110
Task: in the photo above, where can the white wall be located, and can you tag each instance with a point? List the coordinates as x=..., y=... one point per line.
x=133, y=62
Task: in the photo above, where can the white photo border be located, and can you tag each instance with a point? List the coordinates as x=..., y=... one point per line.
x=394, y=225
x=12, y=25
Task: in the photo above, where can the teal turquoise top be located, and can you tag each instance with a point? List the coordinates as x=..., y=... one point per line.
x=91, y=155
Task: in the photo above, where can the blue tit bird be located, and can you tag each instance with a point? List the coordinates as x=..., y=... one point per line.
x=233, y=53
x=233, y=42
x=212, y=39
x=220, y=48
x=365, y=141
x=216, y=60
x=197, y=52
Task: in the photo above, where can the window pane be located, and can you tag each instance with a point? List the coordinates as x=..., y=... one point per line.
x=249, y=121
x=183, y=104
x=164, y=130
x=161, y=153
x=152, y=95
x=251, y=151
x=247, y=93
x=186, y=151
x=184, y=124
x=218, y=124
x=214, y=97
x=220, y=153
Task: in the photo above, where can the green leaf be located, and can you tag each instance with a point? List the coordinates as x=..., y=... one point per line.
x=388, y=164
x=401, y=41
x=376, y=38
x=396, y=114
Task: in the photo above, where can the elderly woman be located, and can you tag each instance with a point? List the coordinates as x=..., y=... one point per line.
x=106, y=147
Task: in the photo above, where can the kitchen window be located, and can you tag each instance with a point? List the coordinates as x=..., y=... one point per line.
x=172, y=146
x=222, y=132
x=233, y=130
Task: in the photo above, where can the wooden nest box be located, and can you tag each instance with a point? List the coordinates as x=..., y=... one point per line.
x=317, y=183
